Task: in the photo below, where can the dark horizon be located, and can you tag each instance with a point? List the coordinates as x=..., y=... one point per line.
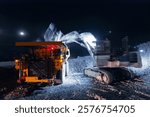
x=126, y=17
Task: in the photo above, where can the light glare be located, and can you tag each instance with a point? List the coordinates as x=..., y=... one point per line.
x=141, y=50
x=21, y=33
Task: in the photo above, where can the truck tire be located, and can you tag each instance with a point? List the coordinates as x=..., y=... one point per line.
x=59, y=78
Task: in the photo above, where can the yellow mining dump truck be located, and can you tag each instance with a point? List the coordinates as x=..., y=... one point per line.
x=43, y=62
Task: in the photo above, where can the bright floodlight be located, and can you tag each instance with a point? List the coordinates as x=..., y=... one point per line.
x=141, y=50
x=21, y=33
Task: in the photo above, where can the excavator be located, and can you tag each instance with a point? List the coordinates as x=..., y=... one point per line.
x=113, y=65
x=110, y=64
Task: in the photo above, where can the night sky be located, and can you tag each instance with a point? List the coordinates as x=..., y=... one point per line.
x=122, y=17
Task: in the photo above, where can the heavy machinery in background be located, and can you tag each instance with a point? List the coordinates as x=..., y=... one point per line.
x=110, y=64
x=43, y=62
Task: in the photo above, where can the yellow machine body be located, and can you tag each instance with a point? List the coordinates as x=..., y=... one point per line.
x=52, y=55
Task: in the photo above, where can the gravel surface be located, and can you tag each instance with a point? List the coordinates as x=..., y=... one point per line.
x=78, y=87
